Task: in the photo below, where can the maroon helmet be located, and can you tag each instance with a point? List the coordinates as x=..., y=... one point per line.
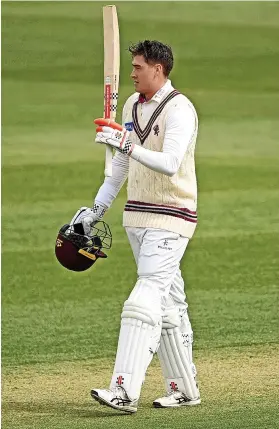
x=78, y=252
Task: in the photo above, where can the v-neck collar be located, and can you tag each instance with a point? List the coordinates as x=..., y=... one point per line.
x=143, y=134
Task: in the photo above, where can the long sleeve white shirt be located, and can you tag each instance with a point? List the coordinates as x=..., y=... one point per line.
x=179, y=132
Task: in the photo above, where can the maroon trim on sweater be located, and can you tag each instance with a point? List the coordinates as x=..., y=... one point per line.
x=162, y=205
x=182, y=213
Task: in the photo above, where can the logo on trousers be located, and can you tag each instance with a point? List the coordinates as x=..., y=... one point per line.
x=165, y=245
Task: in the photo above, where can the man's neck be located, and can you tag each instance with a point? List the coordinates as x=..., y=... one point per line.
x=150, y=94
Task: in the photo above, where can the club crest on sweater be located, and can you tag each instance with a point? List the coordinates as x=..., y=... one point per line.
x=156, y=130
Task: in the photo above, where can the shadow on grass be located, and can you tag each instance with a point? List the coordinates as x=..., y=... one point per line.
x=71, y=409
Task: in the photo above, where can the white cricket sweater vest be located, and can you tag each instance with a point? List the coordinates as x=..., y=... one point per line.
x=154, y=199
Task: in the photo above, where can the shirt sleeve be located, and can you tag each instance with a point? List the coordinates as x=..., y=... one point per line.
x=112, y=185
x=181, y=128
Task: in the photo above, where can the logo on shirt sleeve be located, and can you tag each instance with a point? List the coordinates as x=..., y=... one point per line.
x=129, y=126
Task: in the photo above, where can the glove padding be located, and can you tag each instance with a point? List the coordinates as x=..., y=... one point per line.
x=113, y=134
x=87, y=217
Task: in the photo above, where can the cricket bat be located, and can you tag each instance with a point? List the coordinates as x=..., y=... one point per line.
x=111, y=72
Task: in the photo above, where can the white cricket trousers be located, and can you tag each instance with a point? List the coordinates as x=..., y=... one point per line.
x=158, y=253
x=158, y=297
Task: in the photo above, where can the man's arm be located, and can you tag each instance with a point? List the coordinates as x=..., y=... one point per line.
x=112, y=185
x=106, y=194
x=181, y=128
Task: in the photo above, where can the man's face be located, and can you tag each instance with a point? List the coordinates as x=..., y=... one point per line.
x=144, y=75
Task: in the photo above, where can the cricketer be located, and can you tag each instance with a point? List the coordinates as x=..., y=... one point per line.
x=155, y=147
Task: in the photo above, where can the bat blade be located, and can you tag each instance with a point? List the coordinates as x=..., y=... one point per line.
x=111, y=71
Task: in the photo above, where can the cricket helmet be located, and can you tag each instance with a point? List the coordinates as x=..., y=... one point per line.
x=77, y=251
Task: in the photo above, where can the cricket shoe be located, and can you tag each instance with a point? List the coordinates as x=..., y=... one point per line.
x=175, y=399
x=116, y=398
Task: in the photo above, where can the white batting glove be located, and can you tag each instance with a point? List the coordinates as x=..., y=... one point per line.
x=115, y=138
x=89, y=216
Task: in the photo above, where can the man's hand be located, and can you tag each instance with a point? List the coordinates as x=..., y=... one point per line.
x=87, y=217
x=113, y=134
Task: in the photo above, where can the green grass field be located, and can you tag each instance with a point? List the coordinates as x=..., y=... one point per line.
x=60, y=329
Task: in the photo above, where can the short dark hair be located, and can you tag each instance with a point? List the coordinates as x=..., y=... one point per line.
x=154, y=52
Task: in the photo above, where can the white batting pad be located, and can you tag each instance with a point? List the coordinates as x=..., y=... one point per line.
x=175, y=355
x=187, y=339
x=138, y=341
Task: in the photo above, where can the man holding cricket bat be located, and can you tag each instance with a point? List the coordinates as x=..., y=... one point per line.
x=155, y=150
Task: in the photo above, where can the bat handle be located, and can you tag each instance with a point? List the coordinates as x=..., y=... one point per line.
x=108, y=163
